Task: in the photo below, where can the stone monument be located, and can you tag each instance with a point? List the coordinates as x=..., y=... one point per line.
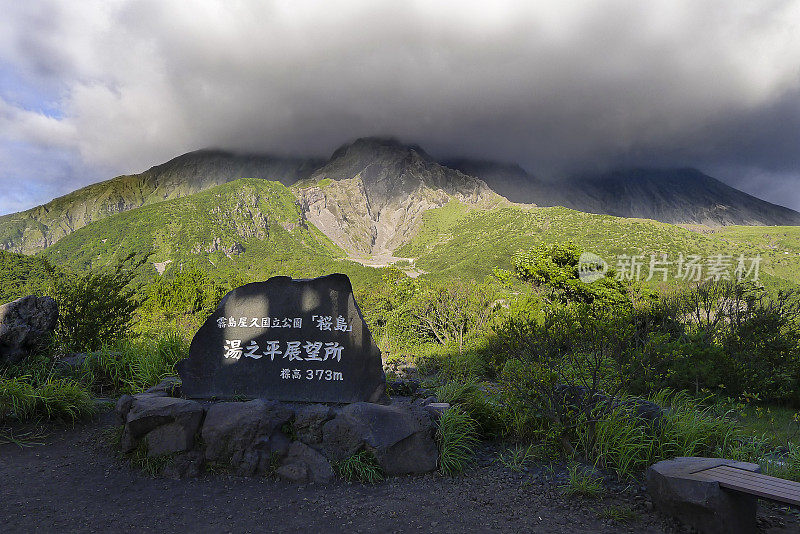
x=288, y=340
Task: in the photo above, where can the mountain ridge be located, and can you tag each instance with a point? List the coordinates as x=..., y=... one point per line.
x=370, y=194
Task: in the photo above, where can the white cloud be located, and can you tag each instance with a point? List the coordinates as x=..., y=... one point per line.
x=552, y=85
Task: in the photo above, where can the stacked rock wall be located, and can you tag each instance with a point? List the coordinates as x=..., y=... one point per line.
x=298, y=442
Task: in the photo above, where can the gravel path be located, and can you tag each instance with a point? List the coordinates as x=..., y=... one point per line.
x=73, y=483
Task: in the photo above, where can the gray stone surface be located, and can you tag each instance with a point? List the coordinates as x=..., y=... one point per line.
x=238, y=426
x=285, y=339
x=148, y=412
x=304, y=464
x=25, y=325
x=295, y=441
x=701, y=504
x=401, y=437
x=309, y=420
x=169, y=387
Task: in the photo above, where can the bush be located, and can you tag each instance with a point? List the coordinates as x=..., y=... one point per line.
x=96, y=307
x=478, y=403
x=582, y=482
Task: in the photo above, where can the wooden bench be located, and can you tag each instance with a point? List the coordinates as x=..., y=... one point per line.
x=742, y=480
x=716, y=495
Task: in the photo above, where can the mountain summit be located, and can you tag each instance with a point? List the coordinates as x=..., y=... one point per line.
x=369, y=196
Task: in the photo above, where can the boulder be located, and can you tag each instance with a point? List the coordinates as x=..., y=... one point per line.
x=308, y=422
x=701, y=504
x=400, y=437
x=169, y=387
x=240, y=426
x=25, y=325
x=168, y=424
x=304, y=464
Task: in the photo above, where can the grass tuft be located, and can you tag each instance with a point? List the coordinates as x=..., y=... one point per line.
x=361, y=467
x=457, y=436
x=581, y=482
x=620, y=514
x=518, y=458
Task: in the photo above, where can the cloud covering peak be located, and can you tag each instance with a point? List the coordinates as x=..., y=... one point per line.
x=96, y=88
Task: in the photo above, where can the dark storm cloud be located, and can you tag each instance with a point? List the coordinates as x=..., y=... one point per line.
x=554, y=86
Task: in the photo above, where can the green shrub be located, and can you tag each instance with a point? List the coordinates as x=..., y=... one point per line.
x=517, y=458
x=96, y=307
x=457, y=436
x=152, y=465
x=361, y=467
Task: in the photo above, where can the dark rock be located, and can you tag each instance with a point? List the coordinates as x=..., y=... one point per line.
x=401, y=438
x=285, y=339
x=294, y=472
x=25, y=326
x=75, y=361
x=701, y=504
x=239, y=426
x=276, y=445
x=436, y=409
x=645, y=410
x=122, y=408
x=308, y=422
x=342, y=437
x=169, y=387
x=147, y=413
x=426, y=401
x=304, y=464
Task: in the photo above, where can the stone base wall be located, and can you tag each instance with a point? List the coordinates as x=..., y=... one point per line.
x=298, y=442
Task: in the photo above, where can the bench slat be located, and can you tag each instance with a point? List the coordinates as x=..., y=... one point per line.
x=764, y=486
x=750, y=475
x=762, y=480
x=744, y=473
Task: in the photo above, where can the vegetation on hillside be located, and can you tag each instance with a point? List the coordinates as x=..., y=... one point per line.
x=503, y=327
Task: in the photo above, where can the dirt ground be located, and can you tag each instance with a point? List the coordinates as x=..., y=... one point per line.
x=74, y=483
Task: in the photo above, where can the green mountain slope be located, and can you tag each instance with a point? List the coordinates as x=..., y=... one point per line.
x=35, y=229
x=455, y=241
x=779, y=246
x=247, y=229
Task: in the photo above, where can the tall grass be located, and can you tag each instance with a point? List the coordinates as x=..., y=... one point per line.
x=457, y=436
x=60, y=399
x=131, y=366
x=622, y=441
x=362, y=467
x=479, y=404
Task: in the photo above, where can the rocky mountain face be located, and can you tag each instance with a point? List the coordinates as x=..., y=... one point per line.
x=35, y=229
x=676, y=196
x=369, y=197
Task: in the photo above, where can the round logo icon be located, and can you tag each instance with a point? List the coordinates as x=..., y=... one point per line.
x=591, y=267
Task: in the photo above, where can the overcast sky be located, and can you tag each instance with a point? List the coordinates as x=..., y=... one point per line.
x=92, y=89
